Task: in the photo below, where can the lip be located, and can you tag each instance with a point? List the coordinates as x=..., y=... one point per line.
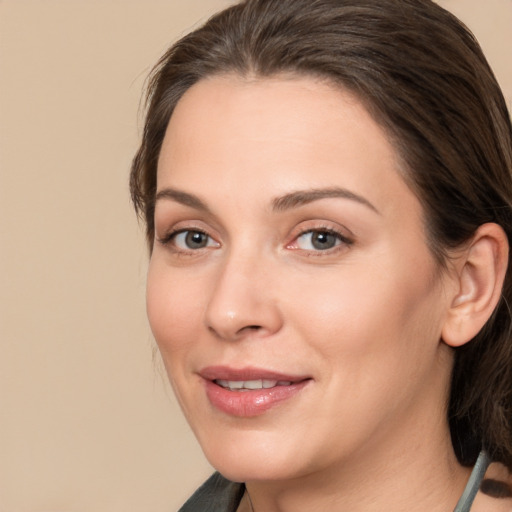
x=250, y=402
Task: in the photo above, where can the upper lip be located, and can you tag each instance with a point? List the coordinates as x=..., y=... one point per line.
x=248, y=373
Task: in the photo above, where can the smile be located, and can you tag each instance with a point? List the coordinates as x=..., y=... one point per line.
x=249, y=392
x=247, y=385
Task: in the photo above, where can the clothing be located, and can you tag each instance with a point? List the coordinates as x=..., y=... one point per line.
x=220, y=495
x=216, y=495
x=475, y=479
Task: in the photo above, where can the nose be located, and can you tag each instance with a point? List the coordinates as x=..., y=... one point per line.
x=243, y=303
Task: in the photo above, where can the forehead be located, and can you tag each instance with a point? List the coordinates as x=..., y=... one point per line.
x=272, y=134
x=271, y=110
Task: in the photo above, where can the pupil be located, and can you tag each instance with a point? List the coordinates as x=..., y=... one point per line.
x=195, y=240
x=323, y=240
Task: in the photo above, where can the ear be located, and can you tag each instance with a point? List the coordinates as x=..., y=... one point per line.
x=480, y=272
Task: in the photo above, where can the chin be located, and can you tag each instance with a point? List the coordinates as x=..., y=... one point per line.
x=252, y=470
x=247, y=457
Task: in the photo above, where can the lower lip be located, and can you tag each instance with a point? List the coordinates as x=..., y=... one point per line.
x=252, y=402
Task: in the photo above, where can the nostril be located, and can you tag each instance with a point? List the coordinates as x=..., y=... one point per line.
x=249, y=328
x=240, y=332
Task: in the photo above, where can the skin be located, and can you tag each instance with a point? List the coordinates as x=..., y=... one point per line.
x=363, y=319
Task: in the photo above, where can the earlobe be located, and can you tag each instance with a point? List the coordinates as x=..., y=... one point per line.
x=480, y=275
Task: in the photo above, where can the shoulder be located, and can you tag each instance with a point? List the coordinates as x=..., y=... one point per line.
x=217, y=494
x=495, y=494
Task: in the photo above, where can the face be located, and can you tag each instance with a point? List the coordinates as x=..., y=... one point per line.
x=290, y=290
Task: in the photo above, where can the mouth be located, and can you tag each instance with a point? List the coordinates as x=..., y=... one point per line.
x=250, y=391
x=250, y=385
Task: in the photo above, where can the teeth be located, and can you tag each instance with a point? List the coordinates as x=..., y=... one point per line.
x=253, y=384
x=236, y=385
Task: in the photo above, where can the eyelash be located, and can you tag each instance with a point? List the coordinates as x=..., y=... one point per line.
x=341, y=242
x=170, y=237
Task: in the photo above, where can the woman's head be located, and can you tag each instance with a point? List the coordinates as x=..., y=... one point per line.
x=423, y=79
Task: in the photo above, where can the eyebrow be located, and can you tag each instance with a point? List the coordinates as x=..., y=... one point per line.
x=282, y=203
x=183, y=198
x=303, y=197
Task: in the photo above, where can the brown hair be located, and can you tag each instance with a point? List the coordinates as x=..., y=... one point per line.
x=423, y=77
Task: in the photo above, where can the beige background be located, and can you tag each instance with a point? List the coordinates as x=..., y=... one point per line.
x=86, y=419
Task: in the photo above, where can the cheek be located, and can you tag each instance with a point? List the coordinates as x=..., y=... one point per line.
x=173, y=309
x=369, y=311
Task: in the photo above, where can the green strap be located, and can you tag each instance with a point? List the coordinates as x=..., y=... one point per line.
x=475, y=479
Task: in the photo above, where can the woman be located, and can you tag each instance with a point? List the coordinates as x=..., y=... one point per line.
x=326, y=186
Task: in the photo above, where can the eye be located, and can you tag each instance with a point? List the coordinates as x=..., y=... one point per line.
x=190, y=239
x=319, y=240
